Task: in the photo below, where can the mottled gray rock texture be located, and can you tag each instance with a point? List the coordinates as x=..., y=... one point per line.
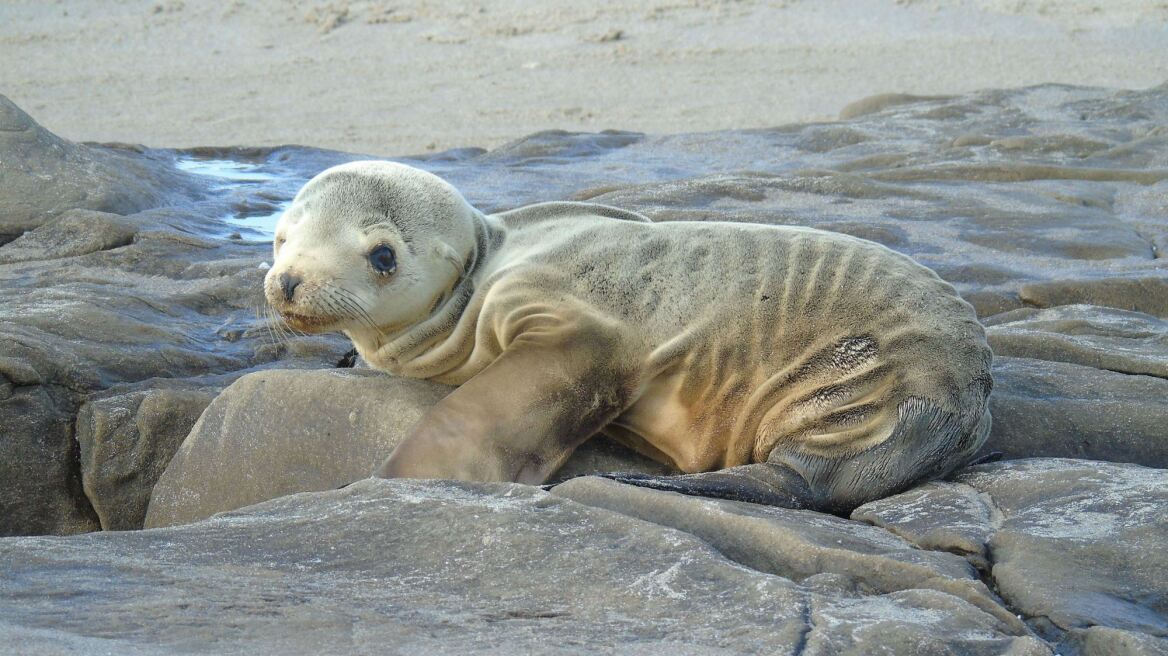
x=43, y=176
x=109, y=277
x=1100, y=337
x=1026, y=557
x=1073, y=546
x=1044, y=408
x=126, y=439
x=319, y=430
x=437, y=567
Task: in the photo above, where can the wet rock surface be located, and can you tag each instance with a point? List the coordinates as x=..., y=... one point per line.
x=129, y=300
x=1073, y=546
x=44, y=176
x=1044, y=408
x=418, y=567
x=1034, y=556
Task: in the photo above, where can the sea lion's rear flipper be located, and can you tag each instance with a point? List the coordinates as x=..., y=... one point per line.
x=926, y=443
x=765, y=483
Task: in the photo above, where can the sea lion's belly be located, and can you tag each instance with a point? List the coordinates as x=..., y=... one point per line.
x=834, y=395
x=664, y=427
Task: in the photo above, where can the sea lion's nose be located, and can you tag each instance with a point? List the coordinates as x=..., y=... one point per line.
x=289, y=282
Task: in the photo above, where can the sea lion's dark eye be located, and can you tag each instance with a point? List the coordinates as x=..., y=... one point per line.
x=383, y=260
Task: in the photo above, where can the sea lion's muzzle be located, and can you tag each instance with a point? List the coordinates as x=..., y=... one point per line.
x=288, y=284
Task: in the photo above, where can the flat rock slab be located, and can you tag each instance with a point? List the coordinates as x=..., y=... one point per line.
x=1070, y=545
x=1057, y=409
x=1105, y=338
x=438, y=567
x=1029, y=557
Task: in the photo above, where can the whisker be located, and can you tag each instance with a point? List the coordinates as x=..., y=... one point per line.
x=270, y=325
x=356, y=312
x=349, y=300
x=360, y=308
x=266, y=318
x=281, y=327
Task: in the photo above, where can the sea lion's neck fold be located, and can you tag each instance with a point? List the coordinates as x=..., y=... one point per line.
x=443, y=340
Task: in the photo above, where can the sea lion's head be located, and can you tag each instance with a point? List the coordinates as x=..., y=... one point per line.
x=369, y=246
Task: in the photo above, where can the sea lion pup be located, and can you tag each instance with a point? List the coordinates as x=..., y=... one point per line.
x=773, y=364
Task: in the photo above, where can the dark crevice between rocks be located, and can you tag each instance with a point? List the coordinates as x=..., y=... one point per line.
x=74, y=482
x=1039, y=624
x=808, y=626
x=348, y=360
x=982, y=563
x=526, y=614
x=1046, y=629
x=1156, y=255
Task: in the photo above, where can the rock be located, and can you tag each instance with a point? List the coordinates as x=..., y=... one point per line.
x=40, y=485
x=117, y=180
x=1104, y=338
x=1056, y=409
x=91, y=299
x=275, y=433
x=939, y=516
x=1073, y=546
x=1103, y=641
x=1138, y=293
x=434, y=567
x=797, y=544
x=600, y=455
x=76, y=232
x=124, y=307
x=880, y=102
x=126, y=441
x=1081, y=544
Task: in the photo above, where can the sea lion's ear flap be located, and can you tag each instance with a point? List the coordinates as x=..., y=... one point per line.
x=447, y=252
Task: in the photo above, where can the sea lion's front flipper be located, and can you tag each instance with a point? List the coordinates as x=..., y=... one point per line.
x=765, y=483
x=520, y=418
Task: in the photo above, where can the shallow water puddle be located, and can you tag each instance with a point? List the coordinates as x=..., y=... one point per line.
x=258, y=197
x=261, y=220
x=224, y=168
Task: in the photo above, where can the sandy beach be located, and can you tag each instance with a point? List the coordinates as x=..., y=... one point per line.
x=412, y=76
